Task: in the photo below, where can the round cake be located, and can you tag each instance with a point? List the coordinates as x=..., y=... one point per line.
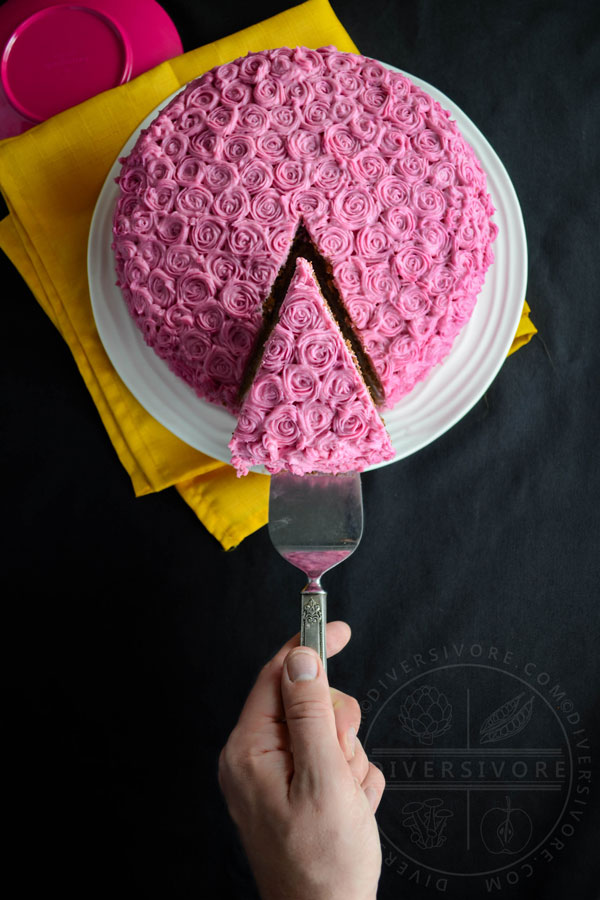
x=390, y=195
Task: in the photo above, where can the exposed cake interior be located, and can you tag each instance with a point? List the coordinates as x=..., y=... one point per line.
x=308, y=408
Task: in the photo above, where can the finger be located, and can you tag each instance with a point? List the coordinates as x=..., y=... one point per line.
x=347, y=720
x=318, y=758
x=373, y=786
x=359, y=764
x=264, y=703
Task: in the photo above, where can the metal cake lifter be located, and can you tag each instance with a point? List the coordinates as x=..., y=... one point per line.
x=315, y=522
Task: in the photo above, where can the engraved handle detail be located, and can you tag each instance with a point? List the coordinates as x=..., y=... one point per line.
x=313, y=622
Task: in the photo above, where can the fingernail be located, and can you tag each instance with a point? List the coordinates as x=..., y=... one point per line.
x=302, y=666
x=371, y=795
x=351, y=740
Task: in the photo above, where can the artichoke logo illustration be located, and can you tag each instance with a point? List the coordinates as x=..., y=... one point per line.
x=426, y=714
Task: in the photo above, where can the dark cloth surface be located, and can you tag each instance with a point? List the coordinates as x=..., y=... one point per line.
x=473, y=597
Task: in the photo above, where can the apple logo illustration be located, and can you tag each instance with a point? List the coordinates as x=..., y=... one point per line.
x=506, y=829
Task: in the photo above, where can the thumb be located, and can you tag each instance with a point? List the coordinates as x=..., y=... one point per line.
x=310, y=717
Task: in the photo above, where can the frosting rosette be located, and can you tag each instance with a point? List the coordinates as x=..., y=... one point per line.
x=389, y=193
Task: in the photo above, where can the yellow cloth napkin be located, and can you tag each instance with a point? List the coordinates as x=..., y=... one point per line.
x=51, y=177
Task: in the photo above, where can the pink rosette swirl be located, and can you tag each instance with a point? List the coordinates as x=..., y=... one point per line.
x=328, y=175
x=253, y=119
x=441, y=279
x=374, y=98
x=340, y=142
x=318, y=350
x=232, y=203
x=290, y=175
x=267, y=392
x=162, y=288
x=374, y=72
x=195, y=346
x=359, y=310
x=219, y=176
x=428, y=201
x=262, y=270
x=268, y=92
x=240, y=299
x=153, y=252
x=172, y=228
x=372, y=242
x=281, y=427
x=334, y=243
x=235, y=93
x=238, y=337
x=412, y=263
x=253, y=68
x=179, y=318
x=316, y=115
x=194, y=288
x=309, y=61
x=133, y=181
x=227, y=72
x=175, y=146
x=411, y=301
x=392, y=191
x=126, y=249
x=406, y=117
x=368, y=167
x=271, y=147
x=245, y=238
x=239, y=148
x=393, y=142
x=404, y=349
x=379, y=281
x=389, y=323
x=300, y=313
x=222, y=120
x=142, y=221
x=162, y=197
x=203, y=95
x=340, y=385
x=300, y=384
x=354, y=207
x=209, y=316
x=221, y=365
x=256, y=176
x=250, y=421
x=207, y=234
x=206, y=144
x=285, y=118
x=139, y=300
x=364, y=127
x=434, y=237
x=191, y=120
x=314, y=418
x=302, y=144
x=347, y=276
x=179, y=258
x=348, y=84
x=281, y=62
x=299, y=93
x=400, y=222
x=411, y=167
x=160, y=169
x=309, y=203
x=189, y=171
x=324, y=88
x=420, y=327
x=136, y=271
x=342, y=110
x=268, y=208
x=194, y=201
x=351, y=422
x=429, y=144
x=279, y=350
x=222, y=267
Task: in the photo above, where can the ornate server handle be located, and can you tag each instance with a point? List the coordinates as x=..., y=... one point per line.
x=313, y=622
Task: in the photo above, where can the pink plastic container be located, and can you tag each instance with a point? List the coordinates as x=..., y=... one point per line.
x=55, y=55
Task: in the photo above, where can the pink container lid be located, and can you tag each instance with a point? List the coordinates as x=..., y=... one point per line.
x=55, y=55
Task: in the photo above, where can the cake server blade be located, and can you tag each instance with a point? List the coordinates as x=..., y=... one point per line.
x=315, y=522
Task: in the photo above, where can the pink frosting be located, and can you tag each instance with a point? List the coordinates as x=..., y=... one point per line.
x=308, y=409
x=212, y=193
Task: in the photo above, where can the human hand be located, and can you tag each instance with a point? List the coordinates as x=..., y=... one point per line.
x=299, y=786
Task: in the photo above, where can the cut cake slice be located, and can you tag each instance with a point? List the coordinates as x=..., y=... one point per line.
x=308, y=409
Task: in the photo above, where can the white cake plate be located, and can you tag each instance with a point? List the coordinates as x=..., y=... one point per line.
x=434, y=406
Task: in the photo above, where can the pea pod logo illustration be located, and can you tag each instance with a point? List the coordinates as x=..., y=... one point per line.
x=426, y=714
x=506, y=829
x=506, y=721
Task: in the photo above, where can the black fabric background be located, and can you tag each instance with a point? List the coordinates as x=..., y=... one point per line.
x=136, y=637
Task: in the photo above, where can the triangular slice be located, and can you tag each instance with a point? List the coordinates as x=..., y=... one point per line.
x=308, y=409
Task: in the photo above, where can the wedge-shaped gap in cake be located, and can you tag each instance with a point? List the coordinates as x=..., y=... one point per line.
x=308, y=408
x=303, y=247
